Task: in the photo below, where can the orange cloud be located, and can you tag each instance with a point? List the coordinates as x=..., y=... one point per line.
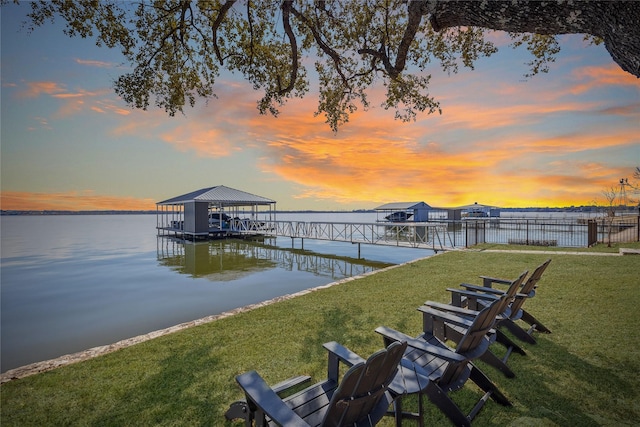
x=199, y=137
x=606, y=75
x=376, y=159
x=78, y=201
x=371, y=168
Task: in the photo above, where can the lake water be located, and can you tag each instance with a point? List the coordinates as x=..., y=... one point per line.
x=72, y=282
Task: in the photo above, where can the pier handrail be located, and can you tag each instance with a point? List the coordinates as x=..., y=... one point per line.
x=428, y=235
x=437, y=235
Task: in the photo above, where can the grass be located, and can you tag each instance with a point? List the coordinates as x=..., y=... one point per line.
x=598, y=248
x=587, y=372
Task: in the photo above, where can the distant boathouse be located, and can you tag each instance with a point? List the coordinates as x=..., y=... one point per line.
x=405, y=211
x=212, y=213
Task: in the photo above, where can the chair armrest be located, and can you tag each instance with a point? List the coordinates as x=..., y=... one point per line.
x=485, y=289
x=338, y=353
x=284, y=386
x=419, y=344
x=446, y=317
x=258, y=392
x=345, y=355
x=452, y=308
x=471, y=294
x=487, y=281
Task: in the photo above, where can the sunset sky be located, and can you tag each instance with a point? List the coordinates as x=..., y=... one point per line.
x=69, y=142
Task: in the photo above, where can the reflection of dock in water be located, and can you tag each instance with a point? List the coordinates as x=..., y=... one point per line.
x=225, y=260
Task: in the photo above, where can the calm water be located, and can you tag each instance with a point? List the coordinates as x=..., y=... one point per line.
x=69, y=283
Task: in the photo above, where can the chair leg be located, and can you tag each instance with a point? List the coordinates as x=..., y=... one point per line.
x=527, y=317
x=509, y=343
x=519, y=333
x=446, y=405
x=399, y=414
x=397, y=411
x=492, y=360
x=482, y=381
x=240, y=410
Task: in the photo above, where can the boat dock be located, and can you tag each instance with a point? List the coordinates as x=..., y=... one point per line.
x=223, y=212
x=429, y=235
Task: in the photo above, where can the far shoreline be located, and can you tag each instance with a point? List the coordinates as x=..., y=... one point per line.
x=45, y=212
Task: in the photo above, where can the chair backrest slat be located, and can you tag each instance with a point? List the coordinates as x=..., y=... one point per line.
x=528, y=287
x=473, y=339
x=363, y=385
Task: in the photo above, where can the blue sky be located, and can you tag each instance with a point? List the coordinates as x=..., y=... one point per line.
x=68, y=141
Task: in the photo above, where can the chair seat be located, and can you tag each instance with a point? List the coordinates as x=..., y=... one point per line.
x=311, y=403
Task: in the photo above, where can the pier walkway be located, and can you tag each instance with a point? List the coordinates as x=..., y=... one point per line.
x=432, y=235
x=438, y=235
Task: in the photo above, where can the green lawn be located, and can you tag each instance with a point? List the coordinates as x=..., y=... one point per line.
x=587, y=372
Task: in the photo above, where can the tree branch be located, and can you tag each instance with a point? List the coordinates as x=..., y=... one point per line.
x=216, y=25
x=286, y=10
x=323, y=46
x=616, y=22
x=415, y=18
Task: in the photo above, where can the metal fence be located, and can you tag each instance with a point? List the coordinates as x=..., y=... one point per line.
x=618, y=229
x=552, y=232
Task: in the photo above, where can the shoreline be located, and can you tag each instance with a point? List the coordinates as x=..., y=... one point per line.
x=69, y=359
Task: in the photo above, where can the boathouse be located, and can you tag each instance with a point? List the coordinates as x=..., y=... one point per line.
x=477, y=210
x=405, y=211
x=213, y=212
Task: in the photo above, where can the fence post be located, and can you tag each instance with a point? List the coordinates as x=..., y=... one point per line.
x=592, y=232
x=466, y=235
x=454, y=233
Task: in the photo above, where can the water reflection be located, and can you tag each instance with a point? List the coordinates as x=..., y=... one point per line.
x=226, y=260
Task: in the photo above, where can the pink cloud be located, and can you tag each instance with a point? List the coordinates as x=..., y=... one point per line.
x=75, y=102
x=94, y=63
x=35, y=89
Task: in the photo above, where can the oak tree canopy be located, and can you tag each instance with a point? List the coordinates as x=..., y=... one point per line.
x=177, y=48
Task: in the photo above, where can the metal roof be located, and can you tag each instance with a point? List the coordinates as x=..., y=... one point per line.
x=221, y=196
x=398, y=206
x=475, y=205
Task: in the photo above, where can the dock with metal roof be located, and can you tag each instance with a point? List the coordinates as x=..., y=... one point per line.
x=212, y=212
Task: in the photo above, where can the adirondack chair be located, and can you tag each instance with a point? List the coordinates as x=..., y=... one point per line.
x=466, y=303
x=515, y=311
x=360, y=399
x=430, y=367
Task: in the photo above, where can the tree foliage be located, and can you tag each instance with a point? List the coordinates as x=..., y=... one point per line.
x=177, y=48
